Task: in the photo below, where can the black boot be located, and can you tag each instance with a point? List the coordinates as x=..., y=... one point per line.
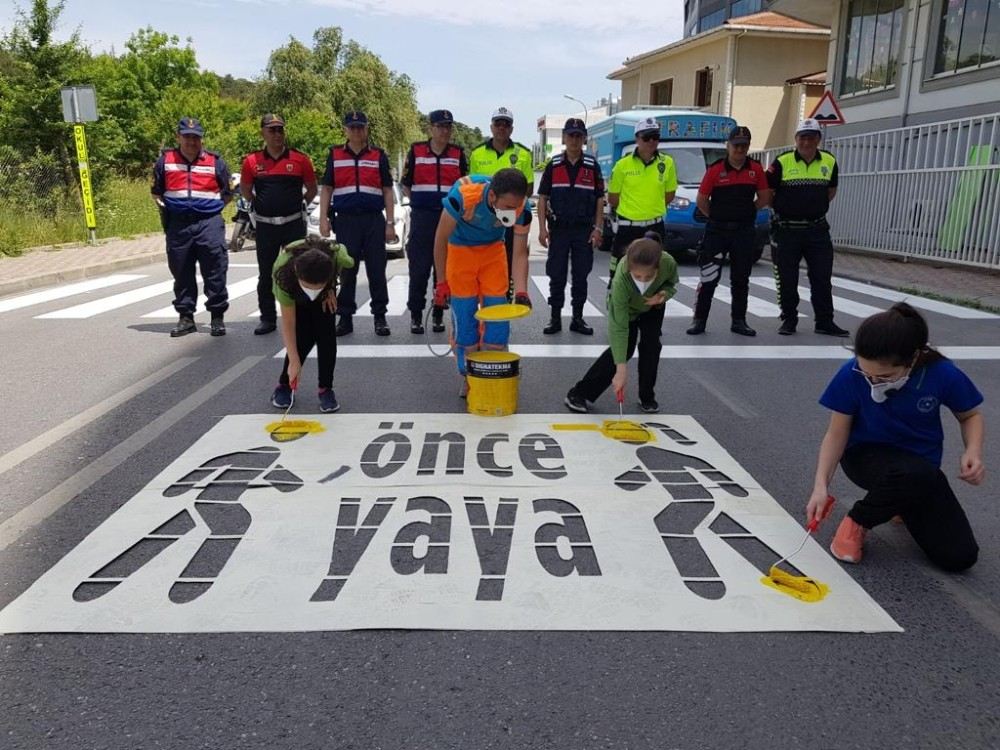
x=345, y=326
x=381, y=327
x=740, y=326
x=185, y=325
x=555, y=323
x=437, y=320
x=218, y=326
x=579, y=325
x=416, y=323
x=697, y=327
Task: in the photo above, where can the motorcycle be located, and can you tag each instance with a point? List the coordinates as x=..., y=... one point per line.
x=244, y=225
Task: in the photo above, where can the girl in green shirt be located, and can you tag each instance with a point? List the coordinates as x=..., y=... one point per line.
x=305, y=285
x=636, y=303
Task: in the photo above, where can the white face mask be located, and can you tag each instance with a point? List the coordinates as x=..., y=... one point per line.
x=312, y=294
x=507, y=216
x=642, y=286
x=880, y=391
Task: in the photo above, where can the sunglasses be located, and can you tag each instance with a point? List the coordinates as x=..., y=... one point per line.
x=653, y=135
x=276, y=129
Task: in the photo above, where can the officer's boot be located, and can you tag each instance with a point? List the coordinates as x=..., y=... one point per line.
x=345, y=326
x=416, y=323
x=437, y=319
x=555, y=324
x=381, y=326
x=185, y=325
x=578, y=324
x=697, y=327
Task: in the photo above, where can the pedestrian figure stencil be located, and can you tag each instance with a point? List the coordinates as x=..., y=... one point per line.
x=689, y=481
x=218, y=514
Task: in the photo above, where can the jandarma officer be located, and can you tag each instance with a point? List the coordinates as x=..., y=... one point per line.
x=500, y=152
x=731, y=192
x=641, y=187
x=431, y=168
x=571, y=213
x=357, y=187
x=804, y=182
x=277, y=179
x=192, y=187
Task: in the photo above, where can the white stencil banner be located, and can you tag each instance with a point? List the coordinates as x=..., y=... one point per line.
x=443, y=521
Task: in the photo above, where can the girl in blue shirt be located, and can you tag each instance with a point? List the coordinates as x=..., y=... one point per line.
x=885, y=431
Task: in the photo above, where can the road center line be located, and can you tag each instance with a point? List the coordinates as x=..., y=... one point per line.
x=22, y=453
x=32, y=515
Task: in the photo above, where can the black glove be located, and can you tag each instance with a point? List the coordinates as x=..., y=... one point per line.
x=522, y=299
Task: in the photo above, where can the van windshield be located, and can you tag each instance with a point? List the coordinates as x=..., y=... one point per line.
x=692, y=161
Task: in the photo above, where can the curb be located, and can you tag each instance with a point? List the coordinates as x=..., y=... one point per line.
x=74, y=274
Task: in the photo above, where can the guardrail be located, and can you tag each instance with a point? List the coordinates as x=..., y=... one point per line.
x=929, y=191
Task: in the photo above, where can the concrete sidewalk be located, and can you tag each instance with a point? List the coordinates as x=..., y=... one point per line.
x=48, y=266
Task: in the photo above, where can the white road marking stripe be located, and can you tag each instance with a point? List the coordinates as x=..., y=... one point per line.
x=399, y=292
x=237, y=290
x=573, y=351
x=840, y=304
x=31, y=515
x=68, y=290
x=932, y=305
x=23, y=452
x=589, y=310
x=106, y=304
x=755, y=305
x=674, y=309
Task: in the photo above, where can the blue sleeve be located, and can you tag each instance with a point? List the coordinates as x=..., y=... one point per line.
x=383, y=168
x=841, y=395
x=453, y=203
x=958, y=393
x=223, y=176
x=328, y=171
x=158, y=172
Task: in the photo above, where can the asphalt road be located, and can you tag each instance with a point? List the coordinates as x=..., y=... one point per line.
x=98, y=405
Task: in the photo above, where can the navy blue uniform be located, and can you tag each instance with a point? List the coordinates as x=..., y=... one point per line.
x=194, y=194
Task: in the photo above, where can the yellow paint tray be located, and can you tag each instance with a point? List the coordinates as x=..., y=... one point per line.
x=502, y=313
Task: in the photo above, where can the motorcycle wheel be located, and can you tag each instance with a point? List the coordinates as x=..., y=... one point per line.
x=239, y=237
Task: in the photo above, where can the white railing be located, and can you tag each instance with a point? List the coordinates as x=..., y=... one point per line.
x=930, y=191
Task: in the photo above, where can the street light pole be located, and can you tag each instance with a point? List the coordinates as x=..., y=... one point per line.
x=574, y=99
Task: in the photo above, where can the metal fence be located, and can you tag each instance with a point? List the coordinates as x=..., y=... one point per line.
x=37, y=182
x=930, y=191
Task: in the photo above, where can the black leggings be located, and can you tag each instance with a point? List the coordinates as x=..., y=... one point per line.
x=315, y=327
x=905, y=484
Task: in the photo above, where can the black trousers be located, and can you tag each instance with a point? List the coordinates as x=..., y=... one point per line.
x=569, y=244
x=738, y=244
x=315, y=327
x=364, y=236
x=788, y=248
x=420, y=255
x=644, y=331
x=625, y=236
x=196, y=239
x=905, y=484
x=270, y=238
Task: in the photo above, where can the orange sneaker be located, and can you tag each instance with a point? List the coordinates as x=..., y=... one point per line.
x=848, y=541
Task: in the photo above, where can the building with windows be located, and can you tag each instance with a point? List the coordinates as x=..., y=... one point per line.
x=549, y=138
x=760, y=69
x=894, y=63
x=703, y=15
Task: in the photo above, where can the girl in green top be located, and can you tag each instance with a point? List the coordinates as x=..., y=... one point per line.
x=636, y=303
x=305, y=285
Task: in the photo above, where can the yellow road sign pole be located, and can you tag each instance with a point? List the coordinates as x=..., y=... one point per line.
x=80, y=137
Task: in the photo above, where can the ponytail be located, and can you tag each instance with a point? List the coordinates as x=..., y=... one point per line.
x=898, y=336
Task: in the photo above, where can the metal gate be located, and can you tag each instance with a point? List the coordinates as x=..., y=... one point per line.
x=930, y=191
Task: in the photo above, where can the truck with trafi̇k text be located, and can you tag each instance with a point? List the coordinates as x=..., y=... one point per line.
x=694, y=140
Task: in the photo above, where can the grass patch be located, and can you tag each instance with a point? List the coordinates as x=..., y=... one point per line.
x=123, y=208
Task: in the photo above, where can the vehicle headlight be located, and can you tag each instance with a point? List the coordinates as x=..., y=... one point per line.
x=680, y=204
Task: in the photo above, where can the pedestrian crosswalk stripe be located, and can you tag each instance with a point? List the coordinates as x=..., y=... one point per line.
x=688, y=351
x=840, y=304
x=399, y=292
x=674, y=309
x=755, y=305
x=931, y=305
x=589, y=309
x=236, y=290
x=105, y=304
x=68, y=290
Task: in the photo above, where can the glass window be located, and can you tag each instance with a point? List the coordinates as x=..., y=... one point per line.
x=662, y=92
x=968, y=35
x=871, y=51
x=744, y=8
x=691, y=162
x=712, y=20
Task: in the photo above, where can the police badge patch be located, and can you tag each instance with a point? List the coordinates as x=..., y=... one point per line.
x=513, y=159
